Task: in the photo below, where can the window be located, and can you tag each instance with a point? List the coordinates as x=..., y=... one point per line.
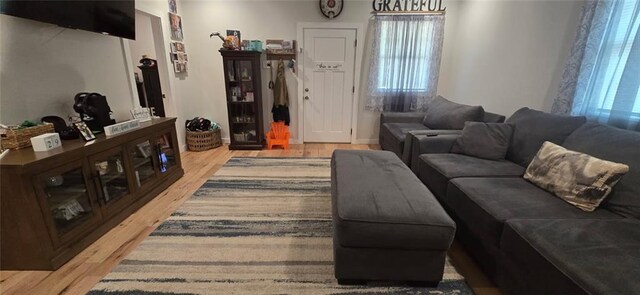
x=608, y=87
x=405, y=61
x=624, y=29
x=403, y=56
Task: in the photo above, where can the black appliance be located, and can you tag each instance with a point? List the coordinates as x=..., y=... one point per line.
x=115, y=18
x=94, y=110
x=66, y=132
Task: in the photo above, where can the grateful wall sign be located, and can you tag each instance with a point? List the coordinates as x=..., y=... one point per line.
x=408, y=6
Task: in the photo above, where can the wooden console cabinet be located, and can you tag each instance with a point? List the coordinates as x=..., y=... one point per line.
x=54, y=204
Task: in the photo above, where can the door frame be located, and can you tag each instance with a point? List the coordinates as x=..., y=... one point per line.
x=162, y=58
x=359, y=28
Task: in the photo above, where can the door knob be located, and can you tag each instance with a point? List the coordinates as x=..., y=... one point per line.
x=306, y=90
x=306, y=97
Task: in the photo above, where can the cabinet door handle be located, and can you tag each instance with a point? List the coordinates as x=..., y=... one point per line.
x=100, y=188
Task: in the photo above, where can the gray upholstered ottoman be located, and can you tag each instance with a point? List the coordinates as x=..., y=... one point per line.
x=387, y=225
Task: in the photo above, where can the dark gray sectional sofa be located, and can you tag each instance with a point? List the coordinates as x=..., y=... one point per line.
x=442, y=116
x=525, y=238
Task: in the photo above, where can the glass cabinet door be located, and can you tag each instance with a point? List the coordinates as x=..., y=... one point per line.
x=112, y=180
x=243, y=113
x=231, y=71
x=67, y=200
x=166, y=152
x=142, y=154
x=246, y=81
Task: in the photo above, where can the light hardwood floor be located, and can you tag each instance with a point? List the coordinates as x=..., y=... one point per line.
x=82, y=272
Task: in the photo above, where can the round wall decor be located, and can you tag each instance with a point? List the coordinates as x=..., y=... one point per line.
x=331, y=8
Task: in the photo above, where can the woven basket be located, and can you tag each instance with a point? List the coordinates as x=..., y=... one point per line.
x=17, y=138
x=203, y=140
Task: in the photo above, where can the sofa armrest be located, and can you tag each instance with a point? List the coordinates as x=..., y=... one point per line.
x=408, y=142
x=426, y=144
x=392, y=117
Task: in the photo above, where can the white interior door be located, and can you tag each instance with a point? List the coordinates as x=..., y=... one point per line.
x=328, y=84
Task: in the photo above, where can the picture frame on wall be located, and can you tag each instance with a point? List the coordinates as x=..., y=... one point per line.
x=179, y=67
x=173, y=6
x=175, y=22
x=182, y=57
x=178, y=57
x=177, y=47
x=180, y=47
x=176, y=66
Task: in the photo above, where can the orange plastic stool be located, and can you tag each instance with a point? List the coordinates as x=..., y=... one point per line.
x=278, y=135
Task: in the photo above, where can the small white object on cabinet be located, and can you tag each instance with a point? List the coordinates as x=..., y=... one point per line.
x=46, y=142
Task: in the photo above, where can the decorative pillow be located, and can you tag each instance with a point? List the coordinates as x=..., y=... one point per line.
x=579, y=179
x=484, y=140
x=447, y=115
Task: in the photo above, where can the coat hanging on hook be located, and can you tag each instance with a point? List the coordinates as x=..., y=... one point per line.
x=280, y=108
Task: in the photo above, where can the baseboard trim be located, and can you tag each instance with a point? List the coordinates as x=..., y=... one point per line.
x=366, y=141
x=227, y=140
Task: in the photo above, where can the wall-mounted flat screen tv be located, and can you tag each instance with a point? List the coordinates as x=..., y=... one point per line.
x=116, y=18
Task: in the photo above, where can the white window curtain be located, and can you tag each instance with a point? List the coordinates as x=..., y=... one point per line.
x=602, y=78
x=405, y=62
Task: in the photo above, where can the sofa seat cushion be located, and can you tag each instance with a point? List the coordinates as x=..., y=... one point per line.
x=379, y=203
x=599, y=256
x=437, y=169
x=394, y=134
x=484, y=204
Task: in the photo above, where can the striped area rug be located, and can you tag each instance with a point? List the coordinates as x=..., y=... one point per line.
x=258, y=226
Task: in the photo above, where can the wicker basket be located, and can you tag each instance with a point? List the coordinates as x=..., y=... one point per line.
x=203, y=140
x=17, y=138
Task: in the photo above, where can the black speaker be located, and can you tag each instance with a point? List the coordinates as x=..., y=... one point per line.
x=94, y=110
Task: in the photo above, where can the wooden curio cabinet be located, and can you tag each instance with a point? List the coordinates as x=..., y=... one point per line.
x=244, y=98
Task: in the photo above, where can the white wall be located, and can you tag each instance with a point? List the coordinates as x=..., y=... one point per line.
x=505, y=55
x=260, y=20
x=144, y=43
x=368, y=121
x=499, y=54
x=43, y=66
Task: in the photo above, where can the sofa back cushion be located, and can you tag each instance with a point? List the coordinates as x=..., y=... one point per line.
x=443, y=114
x=532, y=128
x=493, y=118
x=484, y=140
x=616, y=145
